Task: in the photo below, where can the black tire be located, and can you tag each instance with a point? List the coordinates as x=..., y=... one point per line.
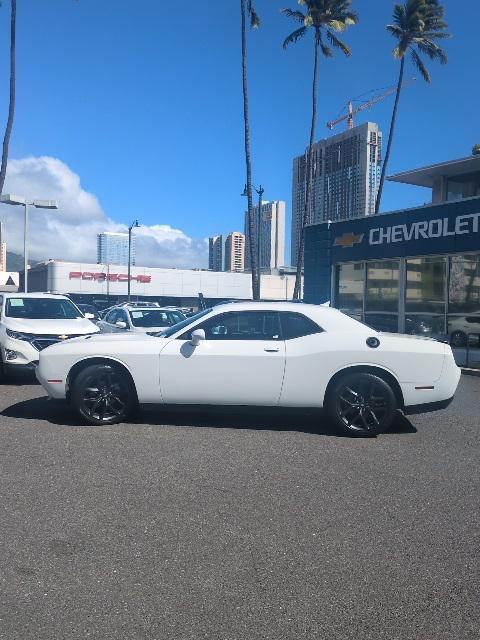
x=361, y=404
x=458, y=339
x=103, y=394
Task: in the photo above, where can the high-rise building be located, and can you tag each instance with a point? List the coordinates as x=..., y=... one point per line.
x=235, y=252
x=216, y=253
x=3, y=250
x=272, y=235
x=346, y=177
x=112, y=248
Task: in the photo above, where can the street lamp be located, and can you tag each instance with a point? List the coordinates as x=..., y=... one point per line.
x=134, y=225
x=260, y=191
x=38, y=204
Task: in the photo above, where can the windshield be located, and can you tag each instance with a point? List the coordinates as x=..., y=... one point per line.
x=155, y=318
x=184, y=323
x=41, y=309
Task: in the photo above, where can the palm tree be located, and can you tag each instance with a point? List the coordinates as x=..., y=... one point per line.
x=11, y=105
x=247, y=9
x=323, y=17
x=416, y=26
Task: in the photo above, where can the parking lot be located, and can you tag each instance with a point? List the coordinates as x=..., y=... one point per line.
x=237, y=526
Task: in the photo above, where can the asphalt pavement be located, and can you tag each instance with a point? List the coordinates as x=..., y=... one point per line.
x=237, y=526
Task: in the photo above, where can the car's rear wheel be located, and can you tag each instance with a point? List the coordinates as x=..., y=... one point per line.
x=361, y=404
x=103, y=394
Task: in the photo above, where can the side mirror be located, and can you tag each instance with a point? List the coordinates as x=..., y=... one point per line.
x=89, y=316
x=197, y=337
x=121, y=324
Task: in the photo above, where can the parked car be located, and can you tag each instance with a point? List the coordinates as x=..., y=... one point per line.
x=30, y=322
x=88, y=309
x=460, y=327
x=140, y=319
x=270, y=354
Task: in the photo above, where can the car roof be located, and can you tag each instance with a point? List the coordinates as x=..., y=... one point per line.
x=327, y=317
x=127, y=307
x=249, y=305
x=38, y=294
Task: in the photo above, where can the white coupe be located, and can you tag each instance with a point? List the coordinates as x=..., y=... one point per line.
x=256, y=354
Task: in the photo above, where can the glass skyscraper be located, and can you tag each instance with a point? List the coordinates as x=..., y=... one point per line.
x=112, y=248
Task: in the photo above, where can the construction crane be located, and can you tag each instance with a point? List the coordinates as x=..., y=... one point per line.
x=351, y=110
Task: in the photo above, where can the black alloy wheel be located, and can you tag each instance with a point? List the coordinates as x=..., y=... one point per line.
x=361, y=404
x=103, y=394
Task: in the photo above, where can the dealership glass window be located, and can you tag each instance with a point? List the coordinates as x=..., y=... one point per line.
x=425, y=286
x=382, y=286
x=350, y=287
x=387, y=322
x=427, y=324
x=464, y=284
x=464, y=300
x=456, y=190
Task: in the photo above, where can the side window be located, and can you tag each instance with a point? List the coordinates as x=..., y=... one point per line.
x=111, y=317
x=242, y=325
x=121, y=315
x=1, y=306
x=296, y=325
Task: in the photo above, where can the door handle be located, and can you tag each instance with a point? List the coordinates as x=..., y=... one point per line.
x=272, y=350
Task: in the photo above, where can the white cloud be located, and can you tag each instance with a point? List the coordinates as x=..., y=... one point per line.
x=71, y=232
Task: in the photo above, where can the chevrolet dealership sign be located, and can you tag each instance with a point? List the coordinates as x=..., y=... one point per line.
x=426, y=229
x=423, y=230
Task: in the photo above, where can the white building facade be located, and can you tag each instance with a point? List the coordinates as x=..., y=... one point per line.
x=346, y=177
x=105, y=285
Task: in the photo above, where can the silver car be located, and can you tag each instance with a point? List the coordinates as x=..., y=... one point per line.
x=139, y=319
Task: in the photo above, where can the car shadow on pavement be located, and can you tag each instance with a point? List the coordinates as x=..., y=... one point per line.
x=259, y=419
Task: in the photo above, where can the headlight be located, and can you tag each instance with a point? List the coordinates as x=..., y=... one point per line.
x=16, y=335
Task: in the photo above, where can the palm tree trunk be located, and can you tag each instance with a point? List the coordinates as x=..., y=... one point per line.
x=248, y=160
x=308, y=176
x=390, y=136
x=11, y=106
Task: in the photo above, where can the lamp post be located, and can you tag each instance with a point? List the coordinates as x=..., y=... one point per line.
x=134, y=224
x=260, y=191
x=38, y=204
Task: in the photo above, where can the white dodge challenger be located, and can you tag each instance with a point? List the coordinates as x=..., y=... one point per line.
x=255, y=354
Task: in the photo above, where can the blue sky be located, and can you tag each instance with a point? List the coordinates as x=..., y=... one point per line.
x=143, y=101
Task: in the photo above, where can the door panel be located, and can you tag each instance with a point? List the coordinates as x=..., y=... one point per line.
x=235, y=372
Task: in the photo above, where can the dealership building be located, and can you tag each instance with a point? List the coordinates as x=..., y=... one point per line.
x=106, y=285
x=413, y=271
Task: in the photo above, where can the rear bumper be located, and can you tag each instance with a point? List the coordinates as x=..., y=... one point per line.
x=428, y=407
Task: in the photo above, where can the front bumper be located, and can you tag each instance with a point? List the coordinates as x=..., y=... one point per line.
x=55, y=389
x=18, y=355
x=12, y=368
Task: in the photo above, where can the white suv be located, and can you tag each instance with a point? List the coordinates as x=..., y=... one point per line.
x=30, y=322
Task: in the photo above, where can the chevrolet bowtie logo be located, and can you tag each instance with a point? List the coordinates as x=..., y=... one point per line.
x=348, y=240
x=63, y=337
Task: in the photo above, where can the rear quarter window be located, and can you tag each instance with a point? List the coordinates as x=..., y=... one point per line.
x=296, y=325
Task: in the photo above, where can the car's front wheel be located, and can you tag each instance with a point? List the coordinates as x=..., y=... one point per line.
x=103, y=394
x=361, y=404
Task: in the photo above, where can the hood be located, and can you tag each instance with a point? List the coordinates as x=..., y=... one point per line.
x=51, y=327
x=151, y=329
x=128, y=336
